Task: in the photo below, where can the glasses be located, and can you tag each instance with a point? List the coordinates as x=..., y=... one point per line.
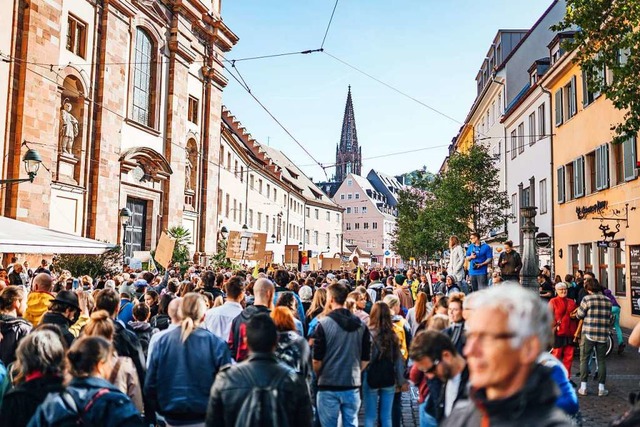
x=483, y=337
x=433, y=367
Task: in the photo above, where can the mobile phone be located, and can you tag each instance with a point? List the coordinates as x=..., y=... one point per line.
x=75, y=283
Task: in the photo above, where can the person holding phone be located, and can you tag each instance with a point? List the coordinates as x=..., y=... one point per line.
x=480, y=256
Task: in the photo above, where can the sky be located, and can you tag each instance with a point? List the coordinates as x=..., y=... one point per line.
x=429, y=49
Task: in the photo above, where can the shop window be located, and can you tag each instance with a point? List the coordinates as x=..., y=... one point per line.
x=620, y=272
x=603, y=267
x=588, y=250
x=574, y=253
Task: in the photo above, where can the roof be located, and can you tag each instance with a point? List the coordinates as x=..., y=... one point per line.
x=24, y=238
x=365, y=184
x=294, y=176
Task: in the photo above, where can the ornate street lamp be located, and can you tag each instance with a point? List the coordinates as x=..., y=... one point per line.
x=32, y=161
x=125, y=216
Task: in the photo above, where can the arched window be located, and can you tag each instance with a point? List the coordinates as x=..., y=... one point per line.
x=143, y=79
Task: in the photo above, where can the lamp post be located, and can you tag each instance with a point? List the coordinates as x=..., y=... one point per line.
x=32, y=161
x=125, y=216
x=300, y=256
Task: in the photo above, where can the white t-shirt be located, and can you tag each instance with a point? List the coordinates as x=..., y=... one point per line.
x=451, y=392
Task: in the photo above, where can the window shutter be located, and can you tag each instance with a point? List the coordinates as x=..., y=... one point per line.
x=585, y=90
x=598, y=169
x=573, y=97
x=602, y=167
x=629, y=153
x=558, y=107
x=560, y=175
x=578, y=177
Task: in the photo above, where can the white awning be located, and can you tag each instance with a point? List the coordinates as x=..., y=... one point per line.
x=24, y=238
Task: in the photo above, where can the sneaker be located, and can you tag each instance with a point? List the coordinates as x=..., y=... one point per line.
x=582, y=391
x=603, y=393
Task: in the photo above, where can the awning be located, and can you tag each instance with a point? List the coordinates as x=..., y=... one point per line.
x=24, y=238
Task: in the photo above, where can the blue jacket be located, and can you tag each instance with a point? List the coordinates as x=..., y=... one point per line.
x=125, y=313
x=180, y=375
x=98, y=402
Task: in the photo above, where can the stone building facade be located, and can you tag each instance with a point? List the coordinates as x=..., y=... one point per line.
x=122, y=99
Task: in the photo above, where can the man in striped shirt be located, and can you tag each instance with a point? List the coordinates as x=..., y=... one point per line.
x=595, y=312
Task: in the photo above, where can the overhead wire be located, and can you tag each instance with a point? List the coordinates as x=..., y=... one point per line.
x=329, y=24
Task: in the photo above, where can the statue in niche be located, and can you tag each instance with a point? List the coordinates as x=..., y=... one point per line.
x=68, y=128
x=188, y=167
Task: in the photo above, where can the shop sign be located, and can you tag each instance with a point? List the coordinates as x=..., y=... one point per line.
x=543, y=240
x=608, y=244
x=596, y=208
x=634, y=273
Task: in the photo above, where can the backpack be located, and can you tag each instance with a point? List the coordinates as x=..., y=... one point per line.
x=398, y=328
x=378, y=292
x=381, y=372
x=263, y=407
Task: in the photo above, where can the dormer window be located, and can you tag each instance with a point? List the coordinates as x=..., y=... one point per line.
x=533, y=77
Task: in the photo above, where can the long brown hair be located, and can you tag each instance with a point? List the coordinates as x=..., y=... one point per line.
x=319, y=301
x=382, y=327
x=421, y=306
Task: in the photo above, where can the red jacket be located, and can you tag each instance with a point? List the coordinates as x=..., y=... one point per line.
x=419, y=379
x=563, y=325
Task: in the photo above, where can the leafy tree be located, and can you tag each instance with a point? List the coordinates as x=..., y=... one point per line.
x=462, y=199
x=109, y=262
x=609, y=39
x=181, y=248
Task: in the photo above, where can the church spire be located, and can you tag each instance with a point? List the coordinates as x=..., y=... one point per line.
x=348, y=153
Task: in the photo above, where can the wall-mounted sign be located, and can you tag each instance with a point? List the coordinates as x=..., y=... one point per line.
x=608, y=244
x=634, y=274
x=596, y=208
x=543, y=240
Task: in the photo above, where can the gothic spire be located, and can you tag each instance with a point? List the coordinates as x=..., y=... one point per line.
x=348, y=155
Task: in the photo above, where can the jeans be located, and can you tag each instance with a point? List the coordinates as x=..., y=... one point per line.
x=371, y=397
x=332, y=403
x=426, y=420
x=616, y=324
x=396, y=410
x=479, y=282
x=586, y=347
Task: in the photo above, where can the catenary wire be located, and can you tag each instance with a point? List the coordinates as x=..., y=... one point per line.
x=329, y=24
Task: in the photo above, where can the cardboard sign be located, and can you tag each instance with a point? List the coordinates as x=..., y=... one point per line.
x=331, y=263
x=246, y=246
x=164, y=250
x=291, y=254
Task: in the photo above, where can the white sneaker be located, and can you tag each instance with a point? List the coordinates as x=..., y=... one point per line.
x=582, y=391
x=603, y=393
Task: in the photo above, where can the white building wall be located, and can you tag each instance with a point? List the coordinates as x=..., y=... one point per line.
x=534, y=161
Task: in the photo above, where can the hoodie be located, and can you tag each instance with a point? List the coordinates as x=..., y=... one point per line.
x=341, y=342
x=237, y=344
x=37, y=304
x=13, y=329
x=144, y=331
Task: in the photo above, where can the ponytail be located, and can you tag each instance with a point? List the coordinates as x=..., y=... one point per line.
x=193, y=310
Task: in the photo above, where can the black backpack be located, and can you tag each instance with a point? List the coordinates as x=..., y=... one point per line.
x=263, y=407
x=381, y=372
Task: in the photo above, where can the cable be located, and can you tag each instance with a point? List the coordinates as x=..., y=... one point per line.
x=276, y=55
x=278, y=122
x=394, y=89
x=329, y=25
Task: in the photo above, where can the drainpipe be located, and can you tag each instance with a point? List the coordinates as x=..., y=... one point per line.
x=553, y=178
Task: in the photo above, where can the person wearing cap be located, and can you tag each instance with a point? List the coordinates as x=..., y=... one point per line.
x=63, y=311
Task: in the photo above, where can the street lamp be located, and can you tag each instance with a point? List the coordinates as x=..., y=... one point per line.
x=125, y=216
x=224, y=233
x=273, y=238
x=32, y=161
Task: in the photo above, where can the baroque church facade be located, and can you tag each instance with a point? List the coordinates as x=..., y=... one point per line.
x=123, y=101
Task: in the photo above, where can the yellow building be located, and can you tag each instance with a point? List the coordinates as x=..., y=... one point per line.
x=596, y=220
x=464, y=140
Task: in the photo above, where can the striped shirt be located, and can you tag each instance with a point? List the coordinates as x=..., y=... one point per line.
x=595, y=309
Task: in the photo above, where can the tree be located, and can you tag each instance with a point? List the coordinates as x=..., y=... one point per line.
x=109, y=262
x=462, y=199
x=609, y=39
x=181, y=248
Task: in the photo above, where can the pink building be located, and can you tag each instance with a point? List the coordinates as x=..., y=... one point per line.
x=369, y=216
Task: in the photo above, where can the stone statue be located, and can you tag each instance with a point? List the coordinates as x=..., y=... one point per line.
x=187, y=172
x=68, y=128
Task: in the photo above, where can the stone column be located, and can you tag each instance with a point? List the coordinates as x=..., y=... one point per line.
x=530, y=268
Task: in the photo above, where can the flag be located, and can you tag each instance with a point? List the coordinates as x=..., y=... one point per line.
x=255, y=271
x=152, y=266
x=358, y=274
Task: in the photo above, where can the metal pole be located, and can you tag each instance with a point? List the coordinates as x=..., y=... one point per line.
x=124, y=244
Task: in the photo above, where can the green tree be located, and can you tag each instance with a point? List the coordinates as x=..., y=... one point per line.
x=609, y=40
x=467, y=194
x=109, y=262
x=181, y=248
x=462, y=199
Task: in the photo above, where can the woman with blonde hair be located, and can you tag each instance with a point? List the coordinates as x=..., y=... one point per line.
x=183, y=365
x=124, y=374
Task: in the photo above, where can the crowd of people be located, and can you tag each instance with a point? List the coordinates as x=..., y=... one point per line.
x=281, y=347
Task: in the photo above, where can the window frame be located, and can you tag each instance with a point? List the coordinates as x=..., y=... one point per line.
x=559, y=106
x=561, y=185
x=541, y=121
x=542, y=190
x=73, y=23
x=155, y=78
x=521, y=138
x=193, y=109
x=532, y=129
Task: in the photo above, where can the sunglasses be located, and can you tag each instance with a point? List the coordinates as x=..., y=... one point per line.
x=433, y=367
